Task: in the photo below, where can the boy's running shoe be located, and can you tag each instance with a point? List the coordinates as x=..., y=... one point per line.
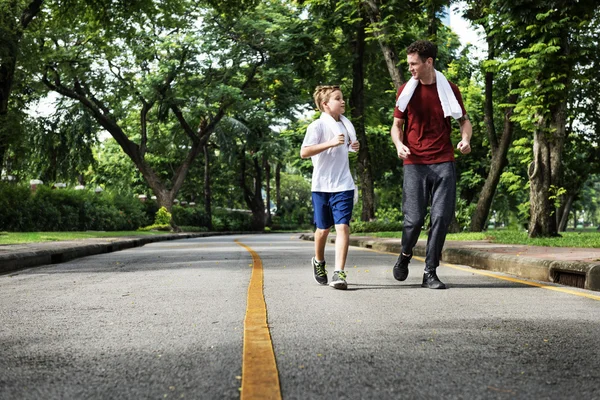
x=319, y=271
x=339, y=280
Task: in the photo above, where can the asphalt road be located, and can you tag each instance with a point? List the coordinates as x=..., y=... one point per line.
x=167, y=321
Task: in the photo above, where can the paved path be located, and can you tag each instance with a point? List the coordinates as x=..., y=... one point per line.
x=166, y=320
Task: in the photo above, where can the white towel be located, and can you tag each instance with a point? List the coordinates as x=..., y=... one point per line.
x=332, y=125
x=447, y=98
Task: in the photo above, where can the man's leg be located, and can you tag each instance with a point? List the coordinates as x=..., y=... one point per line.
x=443, y=203
x=414, y=206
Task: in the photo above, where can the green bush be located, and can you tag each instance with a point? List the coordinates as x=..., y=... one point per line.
x=229, y=220
x=67, y=210
x=163, y=217
x=375, y=226
x=15, y=208
x=189, y=216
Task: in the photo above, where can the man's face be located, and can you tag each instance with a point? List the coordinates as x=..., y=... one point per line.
x=417, y=68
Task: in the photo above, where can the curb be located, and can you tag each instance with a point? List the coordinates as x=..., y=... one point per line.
x=578, y=274
x=33, y=258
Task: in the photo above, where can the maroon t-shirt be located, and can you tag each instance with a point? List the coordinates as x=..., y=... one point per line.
x=426, y=130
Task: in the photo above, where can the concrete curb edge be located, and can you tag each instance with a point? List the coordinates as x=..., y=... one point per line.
x=15, y=261
x=561, y=272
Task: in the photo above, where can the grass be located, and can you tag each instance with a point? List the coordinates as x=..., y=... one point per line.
x=586, y=239
x=32, y=237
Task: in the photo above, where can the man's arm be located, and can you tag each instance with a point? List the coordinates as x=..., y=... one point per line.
x=466, y=131
x=397, y=133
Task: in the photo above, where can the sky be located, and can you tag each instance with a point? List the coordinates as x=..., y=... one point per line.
x=466, y=33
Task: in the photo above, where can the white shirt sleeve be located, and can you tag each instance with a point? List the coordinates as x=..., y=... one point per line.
x=314, y=134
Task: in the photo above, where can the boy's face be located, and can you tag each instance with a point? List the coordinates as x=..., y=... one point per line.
x=336, y=105
x=417, y=67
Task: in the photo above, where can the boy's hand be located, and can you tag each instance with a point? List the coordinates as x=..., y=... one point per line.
x=337, y=140
x=355, y=146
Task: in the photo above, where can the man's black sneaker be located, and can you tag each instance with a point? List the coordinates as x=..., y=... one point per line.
x=401, y=267
x=431, y=281
x=319, y=271
x=339, y=280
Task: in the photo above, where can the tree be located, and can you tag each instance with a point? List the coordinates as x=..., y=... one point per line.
x=544, y=68
x=176, y=73
x=15, y=17
x=479, y=13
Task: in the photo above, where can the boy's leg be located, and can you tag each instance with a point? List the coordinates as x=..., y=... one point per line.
x=342, y=204
x=324, y=221
x=342, y=237
x=320, y=242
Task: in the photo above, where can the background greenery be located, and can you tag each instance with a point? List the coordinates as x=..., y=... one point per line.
x=207, y=102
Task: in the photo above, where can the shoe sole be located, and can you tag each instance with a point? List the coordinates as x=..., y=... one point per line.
x=339, y=285
x=429, y=287
x=320, y=283
x=401, y=278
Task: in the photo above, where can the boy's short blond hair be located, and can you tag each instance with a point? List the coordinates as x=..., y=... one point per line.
x=322, y=93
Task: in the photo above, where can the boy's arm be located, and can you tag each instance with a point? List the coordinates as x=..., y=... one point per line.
x=313, y=150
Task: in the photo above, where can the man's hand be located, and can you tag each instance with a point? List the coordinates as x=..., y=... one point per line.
x=403, y=151
x=464, y=146
x=355, y=146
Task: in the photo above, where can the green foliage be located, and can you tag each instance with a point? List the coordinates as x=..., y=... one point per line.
x=67, y=210
x=389, y=214
x=374, y=226
x=163, y=217
x=230, y=220
x=156, y=227
x=189, y=216
x=512, y=236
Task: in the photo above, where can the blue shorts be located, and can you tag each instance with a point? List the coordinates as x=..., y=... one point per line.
x=333, y=208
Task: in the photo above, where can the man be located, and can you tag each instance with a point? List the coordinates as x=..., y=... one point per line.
x=421, y=133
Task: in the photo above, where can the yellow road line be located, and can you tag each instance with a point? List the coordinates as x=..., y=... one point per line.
x=506, y=278
x=260, y=378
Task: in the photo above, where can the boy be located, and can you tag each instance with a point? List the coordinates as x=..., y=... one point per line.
x=328, y=141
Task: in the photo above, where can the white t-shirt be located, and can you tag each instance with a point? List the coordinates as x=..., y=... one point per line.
x=331, y=168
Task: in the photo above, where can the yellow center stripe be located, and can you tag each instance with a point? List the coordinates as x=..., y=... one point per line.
x=260, y=378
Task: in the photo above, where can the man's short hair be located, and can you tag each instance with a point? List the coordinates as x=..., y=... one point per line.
x=322, y=94
x=424, y=48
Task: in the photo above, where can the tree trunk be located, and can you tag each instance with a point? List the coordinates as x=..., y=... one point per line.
x=542, y=219
x=358, y=119
x=498, y=162
x=562, y=226
x=544, y=174
x=253, y=198
x=207, y=188
x=268, y=190
x=278, y=186
x=12, y=33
